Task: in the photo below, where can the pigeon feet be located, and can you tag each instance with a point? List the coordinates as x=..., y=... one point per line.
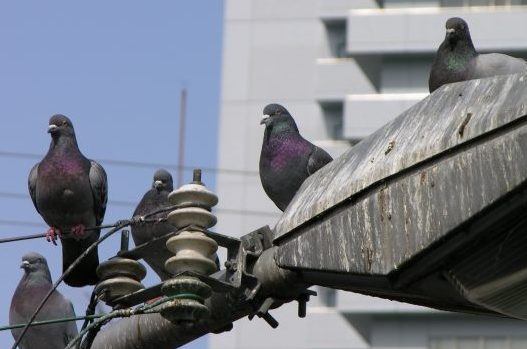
x=78, y=231
x=52, y=234
x=153, y=300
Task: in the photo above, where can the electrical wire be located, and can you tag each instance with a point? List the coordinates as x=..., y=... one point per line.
x=90, y=310
x=133, y=204
x=22, y=237
x=141, y=219
x=120, y=313
x=138, y=164
x=51, y=321
x=117, y=226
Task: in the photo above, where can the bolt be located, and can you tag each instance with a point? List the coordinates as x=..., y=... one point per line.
x=196, y=176
x=231, y=265
x=125, y=238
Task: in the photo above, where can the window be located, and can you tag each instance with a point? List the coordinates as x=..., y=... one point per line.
x=333, y=113
x=336, y=38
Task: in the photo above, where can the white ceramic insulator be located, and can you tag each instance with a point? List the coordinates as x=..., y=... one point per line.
x=193, y=251
x=184, y=217
x=193, y=194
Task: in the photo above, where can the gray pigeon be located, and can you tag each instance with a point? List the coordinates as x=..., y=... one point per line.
x=154, y=199
x=32, y=288
x=70, y=193
x=457, y=59
x=287, y=159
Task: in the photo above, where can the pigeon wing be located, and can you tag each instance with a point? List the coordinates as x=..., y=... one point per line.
x=71, y=328
x=492, y=64
x=32, y=185
x=99, y=189
x=317, y=159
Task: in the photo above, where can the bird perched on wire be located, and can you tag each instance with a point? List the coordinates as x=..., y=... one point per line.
x=286, y=159
x=154, y=199
x=70, y=192
x=457, y=59
x=32, y=288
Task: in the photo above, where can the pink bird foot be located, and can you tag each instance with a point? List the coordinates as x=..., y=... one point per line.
x=153, y=300
x=52, y=235
x=78, y=231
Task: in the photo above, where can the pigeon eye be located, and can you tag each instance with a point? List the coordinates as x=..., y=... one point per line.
x=64, y=123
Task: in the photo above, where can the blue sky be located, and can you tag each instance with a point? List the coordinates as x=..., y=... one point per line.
x=116, y=69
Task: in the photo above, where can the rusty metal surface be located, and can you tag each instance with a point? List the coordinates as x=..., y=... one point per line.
x=454, y=115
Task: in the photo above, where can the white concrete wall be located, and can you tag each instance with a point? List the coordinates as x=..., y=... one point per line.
x=422, y=29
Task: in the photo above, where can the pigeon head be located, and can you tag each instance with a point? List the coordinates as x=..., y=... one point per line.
x=34, y=262
x=457, y=30
x=163, y=181
x=277, y=117
x=60, y=125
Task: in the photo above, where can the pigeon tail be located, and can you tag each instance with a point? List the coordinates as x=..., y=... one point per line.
x=85, y=272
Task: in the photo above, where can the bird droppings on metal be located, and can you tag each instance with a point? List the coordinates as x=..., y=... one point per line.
x=423, y=177
x=389, y=148
x=464, y=124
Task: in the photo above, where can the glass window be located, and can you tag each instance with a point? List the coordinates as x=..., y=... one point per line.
x=333, y=116
x=336, y=38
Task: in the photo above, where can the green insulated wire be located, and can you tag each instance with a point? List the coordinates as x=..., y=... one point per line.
x=53, y=321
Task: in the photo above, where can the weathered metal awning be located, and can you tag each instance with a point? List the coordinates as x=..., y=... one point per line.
x=430, y=209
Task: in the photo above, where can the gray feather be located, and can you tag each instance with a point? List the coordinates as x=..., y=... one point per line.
x=32, y=288
x=69, y=190
x=154, y=199
x=492, y=64
x=99, y=188
x=286, y=159
x=318, y=159
x=32, y=185
x=457, y=59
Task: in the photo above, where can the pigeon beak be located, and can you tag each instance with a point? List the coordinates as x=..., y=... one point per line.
x=264, y=120
x=158, y=184
x=24, y=265
x=450, y=31
x=52, y=128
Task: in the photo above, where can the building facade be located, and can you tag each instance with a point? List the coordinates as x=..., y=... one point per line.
x=343, y=68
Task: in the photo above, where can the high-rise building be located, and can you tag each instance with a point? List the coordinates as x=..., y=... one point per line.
x=342, y=68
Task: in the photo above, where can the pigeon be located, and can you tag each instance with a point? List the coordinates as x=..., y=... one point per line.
x=457, y=59
x=154, y=199
x=70, y=192
x=32, y=288
x=286, y=159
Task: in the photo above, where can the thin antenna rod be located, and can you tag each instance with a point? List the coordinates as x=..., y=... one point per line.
x=181, y=147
